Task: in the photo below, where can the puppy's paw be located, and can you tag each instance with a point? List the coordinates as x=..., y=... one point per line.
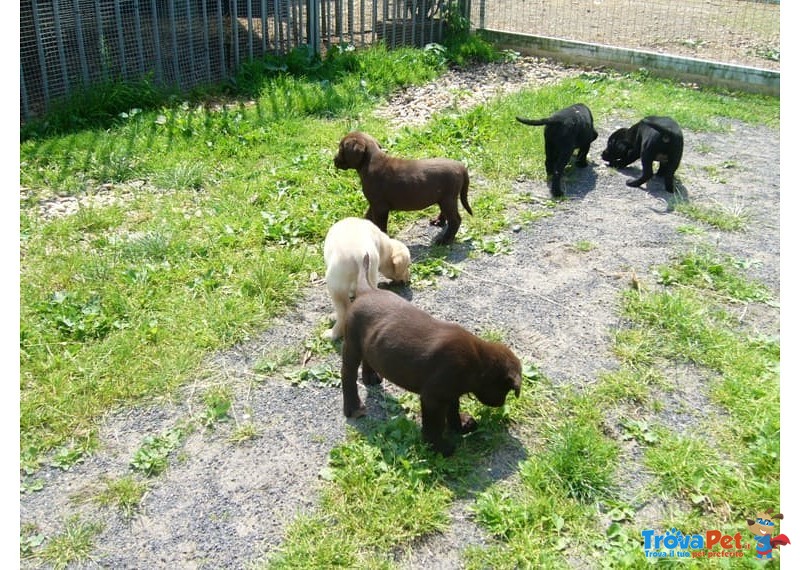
x=355, y=411
x=634, y=183
x=438, y=221
x=468, y=423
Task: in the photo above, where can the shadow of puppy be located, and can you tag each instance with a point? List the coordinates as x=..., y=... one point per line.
x=651, y=139
x=391, y=183
x=564, y=131
x=441, y=361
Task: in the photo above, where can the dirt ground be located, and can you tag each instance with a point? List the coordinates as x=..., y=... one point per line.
x=222, y=505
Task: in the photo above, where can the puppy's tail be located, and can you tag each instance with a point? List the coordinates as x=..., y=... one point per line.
x=535, y=122
x=362, y=284
x=464, y=189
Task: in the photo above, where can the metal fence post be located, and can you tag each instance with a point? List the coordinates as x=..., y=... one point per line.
x=314, y=33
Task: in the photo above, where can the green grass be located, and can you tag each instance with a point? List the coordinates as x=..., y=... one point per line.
x=73, y=545
x=124, y=493
x=122, y=303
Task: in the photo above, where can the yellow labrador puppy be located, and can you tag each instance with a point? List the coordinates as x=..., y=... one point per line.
x=346, y=244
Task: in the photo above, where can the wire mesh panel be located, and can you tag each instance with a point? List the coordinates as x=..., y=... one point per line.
x=69, y=44
x=741, y=32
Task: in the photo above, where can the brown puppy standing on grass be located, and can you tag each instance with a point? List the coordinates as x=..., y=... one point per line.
x=391, y=183
x=440, y=361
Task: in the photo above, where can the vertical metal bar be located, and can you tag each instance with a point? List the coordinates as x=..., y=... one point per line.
x=350, y=13
x=482, y=15
x=235, y=34
x=190, y=41
x=249, y=11
x=264, y=28
x=413, y=22
x=374, y=20
x=157, y=42
x=23, y=94
x=221, y=35
x=62, y=57
x=385, y=17
x=289, y=25
x=313, y=26
x=327, y=21
x=278, y=36
x=206, y=42
x=101, y=39
x=137, y=26
x=76, y=11
x=174, y=36
x=339, y=18
x=37, y=32
x=363, y=14
x=120, y=39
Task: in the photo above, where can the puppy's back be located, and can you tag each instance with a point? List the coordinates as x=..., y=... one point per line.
x=346, y=244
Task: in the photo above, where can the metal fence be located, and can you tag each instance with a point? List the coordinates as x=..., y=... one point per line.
x=66, y=45
x=738, y=32
x=69, y=44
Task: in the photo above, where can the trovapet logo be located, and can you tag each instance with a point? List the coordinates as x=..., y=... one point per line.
x=675, y=544
x=716, y=544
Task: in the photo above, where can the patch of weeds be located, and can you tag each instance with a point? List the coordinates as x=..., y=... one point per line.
x=73, y=545
x=218, y=401
x=768, y=52
x=190, y=175
x=152, y=458
x=30, y=539
x=493, y=335
x=638, y=430
x=703, y=148
x=493, y=245
x=583, y=246
x=382, y=490
x=323, y=375
x=726, y=219
x=31, y=486
x=707, y=269
x=80, y=317
x=424, y=271
x=274, y=362
x=125, y=494
x=67, y=457
x=527, y=217
x=243, y=432
x=691, y=230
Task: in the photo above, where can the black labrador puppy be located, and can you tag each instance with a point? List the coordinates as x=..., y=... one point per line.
x=651, y=139
x=564, y=131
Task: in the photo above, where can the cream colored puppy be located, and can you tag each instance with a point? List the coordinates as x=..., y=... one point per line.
x=347, y=242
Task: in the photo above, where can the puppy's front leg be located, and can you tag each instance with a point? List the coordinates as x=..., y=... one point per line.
x=458, y=422
x=433, y=422
x=351, y=357
x=647, y=172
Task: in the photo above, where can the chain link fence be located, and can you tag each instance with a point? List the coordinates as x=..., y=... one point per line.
x=66, y=45
x=738, y=32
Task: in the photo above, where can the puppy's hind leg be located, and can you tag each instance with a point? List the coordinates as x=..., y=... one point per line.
x=351, y=357
x=341, y=299
x=450, y=212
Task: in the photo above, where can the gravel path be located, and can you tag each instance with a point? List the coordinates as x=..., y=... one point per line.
x=222, y=505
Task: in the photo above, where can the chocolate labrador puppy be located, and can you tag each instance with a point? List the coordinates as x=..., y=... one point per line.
x=564, y=131
x=440, y=361
x=391, y=183
x=651, y=139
